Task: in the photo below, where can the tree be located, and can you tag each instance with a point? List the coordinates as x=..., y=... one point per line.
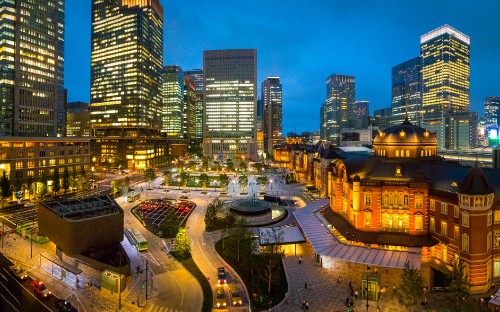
x=230, y=166
x=240, y=232
x=183, y=244
x=204, y=164
x=204, y=180
x=216, y=165
x=73, y=179
x=258, y=167
x=458, y=280
x=224, y=180
x=66, y=181
x=184, y=178
x=5, y=185
x=126, y=183
x=150, y=175
x=29, y=184
x=211, y=220
x=56, y=182
x=243, y=166
x=272, y=237
x=243, y=181
x=410, y=291
x=262, y=180
x=43, y=185
x=167, y=176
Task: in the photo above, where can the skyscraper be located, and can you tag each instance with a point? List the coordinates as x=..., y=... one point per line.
x=337, y=110
x=445, y=54
x=197, y=76
x=126, y=67
x=189, y=108
x=360, y=118
x=173, y=102
x=230, y=103
x=492, y=111
x=272, y=112
x=31, y=68
x=406, y=92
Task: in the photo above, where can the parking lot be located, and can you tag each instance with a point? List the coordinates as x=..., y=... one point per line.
x=162, y=216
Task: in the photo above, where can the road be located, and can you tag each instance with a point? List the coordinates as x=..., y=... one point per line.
x=175, y=287
x=17, y=296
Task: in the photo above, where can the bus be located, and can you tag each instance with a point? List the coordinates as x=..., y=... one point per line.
x=140, y=242
x=133, y=196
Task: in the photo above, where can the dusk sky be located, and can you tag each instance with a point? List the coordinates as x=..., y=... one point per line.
x=303, y=42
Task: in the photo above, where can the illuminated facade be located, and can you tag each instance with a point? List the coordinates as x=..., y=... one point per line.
x=197, y=76
x=126, y=68
x=461, y=130
x=406, y=92
x=31, y=68
x=445, y=54
x=407, y=198
x=26, y=160
x=173, y=102
x=337, y=109
x=77, y=119
x=230, y=103
x=272, y=101
x=189, y=108
x=492, y=111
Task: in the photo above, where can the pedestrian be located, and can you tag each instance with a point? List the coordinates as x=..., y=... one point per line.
x=303, y=304
x=307, y=305
x=87, y=284
x=305, y=285
x=378, y=309
x=300, y=260
x=352, y=292
x=347, y=301
x=138, y=270
x=338, y=281
x=386, y=285
x=497, y=308
x=356, y=295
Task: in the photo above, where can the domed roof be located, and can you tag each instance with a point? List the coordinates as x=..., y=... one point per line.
x=475, y=183
x=405, y=133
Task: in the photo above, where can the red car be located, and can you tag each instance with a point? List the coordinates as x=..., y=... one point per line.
x=40, y=289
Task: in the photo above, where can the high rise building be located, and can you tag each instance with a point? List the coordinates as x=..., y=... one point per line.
x=259, y=126
x=382, y=118
x=272, y=112
x=230, y=103
x=173, y=102
x=31, y=68
x=407, y=92
x=197, y=76
x=445, y=54
x=126, y=68
x=77, y=119
x=461, y=130
x=492, y=111
x=189, y=108
x=360, y=118
x=337, y=109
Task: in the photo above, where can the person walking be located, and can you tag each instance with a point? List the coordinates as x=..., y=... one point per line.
x=303, y=304
x=356, y=295
x=307, y=305
x=338, y=281
x=300, y=260
x=305, y=285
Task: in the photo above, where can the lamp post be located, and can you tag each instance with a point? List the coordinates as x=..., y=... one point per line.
x=271, y=183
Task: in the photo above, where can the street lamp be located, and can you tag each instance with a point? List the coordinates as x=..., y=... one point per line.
x=271, y=183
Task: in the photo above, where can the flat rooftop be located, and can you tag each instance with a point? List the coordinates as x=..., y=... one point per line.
x=84, y=208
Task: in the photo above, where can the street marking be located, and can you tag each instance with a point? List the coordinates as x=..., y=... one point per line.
x=9, y=303
x=10, y=292
x=201, y=249
x=182, y=292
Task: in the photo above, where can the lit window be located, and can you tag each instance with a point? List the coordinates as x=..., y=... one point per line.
x=497, y=216
x=456, y=232
x=433, y=224
x=465, y=242
x=368, y=200
x=418, y=202
x=433, y=205
x=444, y=208
x=465, y=219
x=444, y=253
x=418, y=223
x=368, y=219
x=497, y=239
x=405, y=200
x=398, y=171
x=444, y=228
x=456, y=211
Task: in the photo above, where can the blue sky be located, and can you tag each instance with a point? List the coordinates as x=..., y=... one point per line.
x=303, y=42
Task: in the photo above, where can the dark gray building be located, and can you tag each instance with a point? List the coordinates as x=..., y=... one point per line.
x=407, y=92
x=31, y=68
x=272, y=102
x=197, y=76
x=492, y=111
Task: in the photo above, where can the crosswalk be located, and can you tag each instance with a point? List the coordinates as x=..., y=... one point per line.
x=155, y=308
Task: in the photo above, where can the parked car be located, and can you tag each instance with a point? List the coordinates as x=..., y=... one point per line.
x=64, y=306
x=220, y=297
x=221, y=275
x=18, y=272
x=40, y=289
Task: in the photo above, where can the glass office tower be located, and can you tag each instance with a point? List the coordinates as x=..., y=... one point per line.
x=445, y=54
x=173, y=102
x=337, y=109
x=31, y=68
x=492, y=111
x=126, y=67
x=406, y=92
x=197, y=76
x=230, y=103
x=273, y=112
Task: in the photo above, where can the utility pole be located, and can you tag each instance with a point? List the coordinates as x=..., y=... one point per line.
x=146, y=280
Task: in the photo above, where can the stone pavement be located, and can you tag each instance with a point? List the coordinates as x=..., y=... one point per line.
x=324, y=293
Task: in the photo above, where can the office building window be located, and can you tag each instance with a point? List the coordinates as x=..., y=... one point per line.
x=433, y=224
x=418, y=223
